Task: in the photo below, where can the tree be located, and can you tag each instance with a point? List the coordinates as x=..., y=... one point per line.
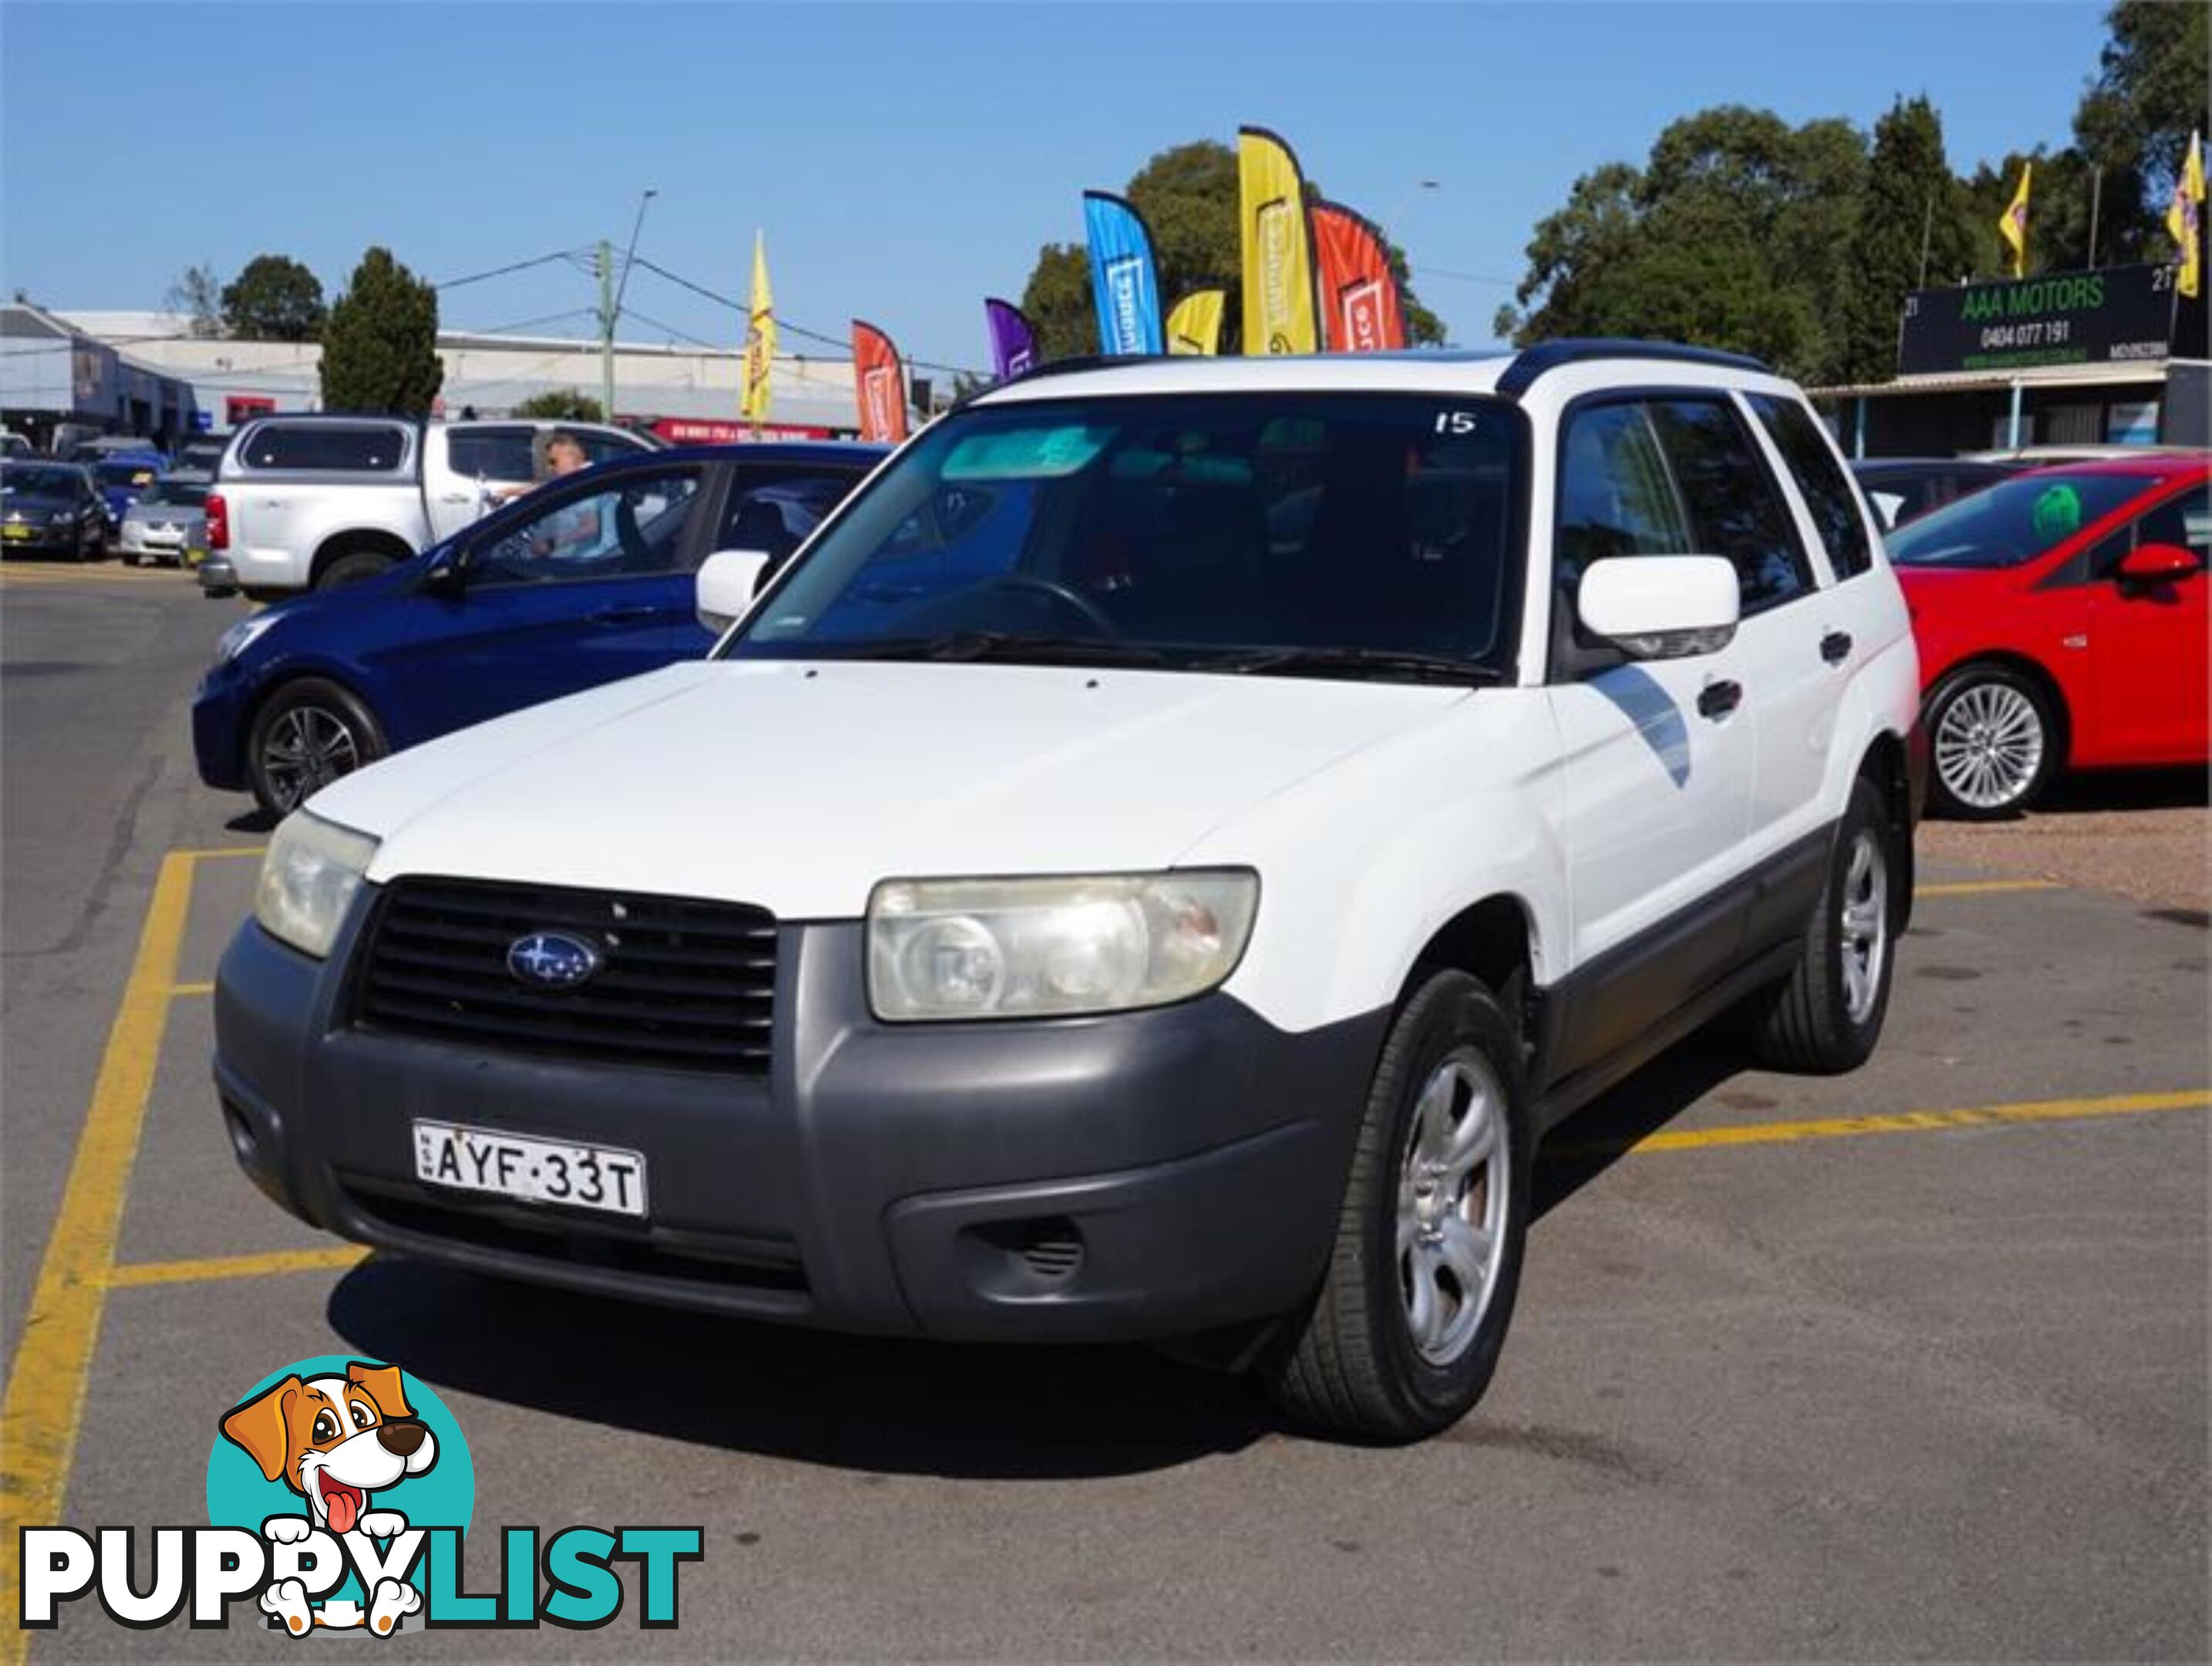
x=1912, y=234
x=274, y=299
x=197, y=294
x=561, y=404
x=2135, y=119
x=1189, y=197
x=1735, y=234
x=381, y=342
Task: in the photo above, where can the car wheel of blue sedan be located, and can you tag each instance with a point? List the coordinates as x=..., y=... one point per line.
x=307, y=735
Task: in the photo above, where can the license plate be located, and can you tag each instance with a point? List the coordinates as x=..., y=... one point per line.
x=533, y=1170
x=15, y=532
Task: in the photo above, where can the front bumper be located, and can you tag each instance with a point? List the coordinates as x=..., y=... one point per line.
x=1142, y=1176
x=38, y=540
x=221, y=707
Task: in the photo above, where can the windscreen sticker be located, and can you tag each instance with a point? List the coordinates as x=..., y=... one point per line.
x=1036, y=454
x=2058, y=513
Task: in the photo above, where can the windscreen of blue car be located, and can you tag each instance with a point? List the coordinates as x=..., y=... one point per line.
x=1177, y=529
x=2014, y=521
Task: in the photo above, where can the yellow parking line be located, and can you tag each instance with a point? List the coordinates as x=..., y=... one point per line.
x=1983, y=887
x=1909, y=1122
x=176, y=989
x=223, y=853
x=338, y=1257
x=44, y=1397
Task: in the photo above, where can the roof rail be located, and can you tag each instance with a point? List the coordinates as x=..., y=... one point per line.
x=1531, y=362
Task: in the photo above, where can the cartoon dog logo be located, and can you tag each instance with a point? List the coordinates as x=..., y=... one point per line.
x=336, y=1441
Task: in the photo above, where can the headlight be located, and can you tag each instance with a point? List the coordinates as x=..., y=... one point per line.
x=308, y=878
x=1038, y=948
x=235, y=641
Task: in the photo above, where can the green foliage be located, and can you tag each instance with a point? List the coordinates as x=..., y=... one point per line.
x=1914, y=231
x=2135, y=119
x=562, y=404
x=1189, y=197
x=381, y=342
x=1736, y=234
x=274, y=299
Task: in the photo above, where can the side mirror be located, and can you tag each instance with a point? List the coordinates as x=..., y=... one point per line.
x=1660, y=607
x=445, y=577
x=728, y=580
x=2156, y=563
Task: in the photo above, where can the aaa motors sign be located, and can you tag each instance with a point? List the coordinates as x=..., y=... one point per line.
x=691, y=431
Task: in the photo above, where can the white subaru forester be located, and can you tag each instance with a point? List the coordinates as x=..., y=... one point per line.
x=1153, y=866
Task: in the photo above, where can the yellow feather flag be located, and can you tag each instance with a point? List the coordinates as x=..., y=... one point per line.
x=1195, y=325
x=2185, y=219
x=759, y=338
x=1278, y=287
x=2012, y=224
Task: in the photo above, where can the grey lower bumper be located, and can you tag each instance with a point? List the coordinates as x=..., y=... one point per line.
x=1147, y=1174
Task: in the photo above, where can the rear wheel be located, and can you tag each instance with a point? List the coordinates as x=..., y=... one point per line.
x=308, y=734
x=1827, y=1016
x=1405, y=1332
x=353, y=568
x=1995, y=740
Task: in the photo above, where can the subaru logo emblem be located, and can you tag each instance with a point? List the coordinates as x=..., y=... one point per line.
x=553, y=960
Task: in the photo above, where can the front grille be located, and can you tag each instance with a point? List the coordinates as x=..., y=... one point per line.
x=684, y=985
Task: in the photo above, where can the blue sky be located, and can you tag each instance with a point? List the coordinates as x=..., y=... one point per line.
x=904, y=160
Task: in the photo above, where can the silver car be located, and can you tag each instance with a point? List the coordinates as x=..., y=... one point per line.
x=166, y=523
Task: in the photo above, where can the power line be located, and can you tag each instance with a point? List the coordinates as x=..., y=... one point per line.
x=784, y=324
x=525, y=324
x=1466, y=277
x=501, y=272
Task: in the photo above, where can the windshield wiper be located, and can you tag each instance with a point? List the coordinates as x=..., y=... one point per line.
x=1011, y=646
x=1376, y=662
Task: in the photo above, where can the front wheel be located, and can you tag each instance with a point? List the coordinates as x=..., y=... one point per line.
x=1405, y=1332
x=1994, y=738
x=1825, y=1019
x=308, y=734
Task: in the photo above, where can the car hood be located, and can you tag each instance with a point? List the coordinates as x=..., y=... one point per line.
x=798, y=785
x=30, y=504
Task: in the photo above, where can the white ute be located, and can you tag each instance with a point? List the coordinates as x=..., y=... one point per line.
x=1152, y=867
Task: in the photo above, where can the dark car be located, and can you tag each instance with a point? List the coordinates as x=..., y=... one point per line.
x=587, y=580
x=123, y=478
x=1903, y=488
x=50, y=509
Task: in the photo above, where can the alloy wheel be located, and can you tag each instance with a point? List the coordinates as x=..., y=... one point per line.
x=1452, y=1181
x=308, y=748
x=1989, y=745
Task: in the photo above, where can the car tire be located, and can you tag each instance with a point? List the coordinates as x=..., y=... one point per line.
x=1994, y=743
x=128, y=557
x=1826, y=1016
x=353, y=568
x=1394, y=1346
x=308, y=733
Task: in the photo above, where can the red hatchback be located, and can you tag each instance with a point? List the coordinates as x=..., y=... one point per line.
x=2062, y=625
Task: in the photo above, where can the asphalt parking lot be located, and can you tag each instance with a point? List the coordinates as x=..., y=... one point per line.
x=1908, y=1363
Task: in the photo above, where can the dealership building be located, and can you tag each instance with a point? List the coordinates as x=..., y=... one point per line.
x=146, y=372
x=2112, y=356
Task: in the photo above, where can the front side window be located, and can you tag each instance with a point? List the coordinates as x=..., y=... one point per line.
x=2184, y=521
x=625, y=528
x=1734, y=508
x=1616, y=494
x=1827, y=492
x=1323, y=534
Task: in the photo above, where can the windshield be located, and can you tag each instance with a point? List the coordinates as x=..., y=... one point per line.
x=125, y=474
x=32, y=481
x=2013, y=521
x=1361, y=533
x=174, y=494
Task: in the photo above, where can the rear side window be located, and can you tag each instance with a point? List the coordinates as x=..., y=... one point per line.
x=1820, y=481
x=1734, y=508
x=319, y=446
x=774, y=509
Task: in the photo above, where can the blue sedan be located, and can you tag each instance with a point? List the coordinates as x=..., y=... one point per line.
x=587, y=579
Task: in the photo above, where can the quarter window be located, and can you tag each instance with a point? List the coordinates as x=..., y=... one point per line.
x=1820, y=480
x=1735, y=509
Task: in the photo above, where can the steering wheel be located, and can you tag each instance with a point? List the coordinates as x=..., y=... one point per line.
x=1074, y=600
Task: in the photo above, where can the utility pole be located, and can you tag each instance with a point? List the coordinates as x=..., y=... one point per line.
x=2096, y=201
x=1927, y=232
x=606, y=264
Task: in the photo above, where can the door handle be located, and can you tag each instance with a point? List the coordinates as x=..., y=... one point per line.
x=454, y=498
x=1717, y=699
x=620, y=615
x=1835, y=646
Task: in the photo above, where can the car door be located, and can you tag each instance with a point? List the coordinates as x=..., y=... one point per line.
x=1658, y=756
x=585, y=583
x=2148, y=664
